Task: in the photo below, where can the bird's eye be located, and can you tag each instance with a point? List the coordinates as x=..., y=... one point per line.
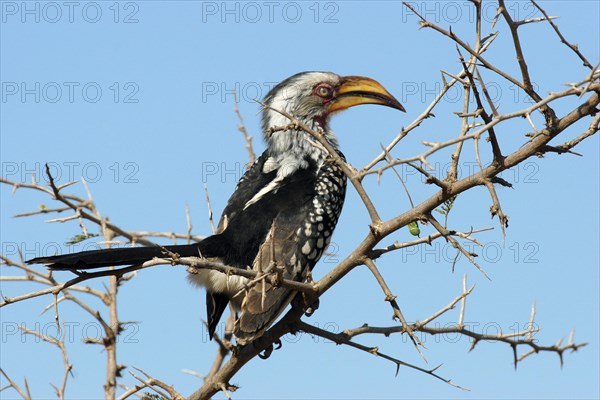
x=324, y=91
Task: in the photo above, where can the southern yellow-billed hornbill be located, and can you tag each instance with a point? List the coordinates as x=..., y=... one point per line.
x=283, y=211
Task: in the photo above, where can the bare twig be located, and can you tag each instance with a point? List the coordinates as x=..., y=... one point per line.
x=60, y=391
x=446, y=233
x=340, y=338
x=242, y=128
x=24, y=395
x=154, y=384
x=223, y=350
x=376, y=253
x=391, y=298
x=573, y=47
x=210, y=213
x=496, y=209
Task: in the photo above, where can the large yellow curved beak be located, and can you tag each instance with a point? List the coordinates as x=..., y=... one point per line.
x=356, y=90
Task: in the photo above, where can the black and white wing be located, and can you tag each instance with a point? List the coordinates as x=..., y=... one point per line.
x=307, y=206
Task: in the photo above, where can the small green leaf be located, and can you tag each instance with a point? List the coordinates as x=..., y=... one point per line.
x=413, y=228
x=80, y=238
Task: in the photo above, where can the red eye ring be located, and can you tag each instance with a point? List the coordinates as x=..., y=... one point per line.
x=324, y=91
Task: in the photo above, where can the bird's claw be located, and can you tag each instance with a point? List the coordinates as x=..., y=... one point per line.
x=266, y=352
x=310, y=308
x=269, y=350
x=232, y=348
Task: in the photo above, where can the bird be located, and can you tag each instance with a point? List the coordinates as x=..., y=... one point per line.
x=282, y=212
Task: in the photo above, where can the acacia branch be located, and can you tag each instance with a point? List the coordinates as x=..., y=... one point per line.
x=224, y=345
x=12, y=384
x=376, y=253
x=391, y=298
x=153, y=384
x=424, y=23
x=194, y=264
x=244, y=131
x=481, y=109
x=573, y=47
x=60, y=391
x=527, y=86
x=340, y=338
x=47, y=279
x=592, y=130
x=513, y=339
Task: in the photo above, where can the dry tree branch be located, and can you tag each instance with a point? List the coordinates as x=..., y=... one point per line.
x=154, y=384
x=417, y=122
x=448, y=235
x=585, y=109
x=216, y=383
x=376, y=253
x=46, y=279
x=496, y=209
x=188, y=220
x=427, y=113
x=209, y=208
x=340, y=338
x=194, y=264
x=453, y=171
x=244, y=131
x=169, y=235
x=592, y=130
x=463, y=302
x=429, y=178
x=424, y=23
x=81, y=204
x=513, y=339
x=573, y=47
x=391, y=298
x=60, y=391
x=418, y=325
x=479, y=178
x=481, y=109
x=11, y=384
x=224, y=345
x=57, y=210
x=410, y=200
x=527, y=85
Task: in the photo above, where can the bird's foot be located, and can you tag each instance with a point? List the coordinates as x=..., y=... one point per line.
x=235, y=349
x=276, y=345
x=229, y=346
x=310, y=305
x=309, y=277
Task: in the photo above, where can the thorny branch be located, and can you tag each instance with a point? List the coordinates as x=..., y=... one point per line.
x=562, y=38
x=342, y=338
x=244, y=131
x=60, y=390
x=391, y=298
x=514, y=339
x=154, y=384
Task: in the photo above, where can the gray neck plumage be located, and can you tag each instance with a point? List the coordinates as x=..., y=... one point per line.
x=296, y=144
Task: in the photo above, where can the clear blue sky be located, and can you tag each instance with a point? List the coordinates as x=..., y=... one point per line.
x=137, y=98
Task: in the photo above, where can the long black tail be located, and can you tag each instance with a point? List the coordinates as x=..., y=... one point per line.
x=209, y=247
